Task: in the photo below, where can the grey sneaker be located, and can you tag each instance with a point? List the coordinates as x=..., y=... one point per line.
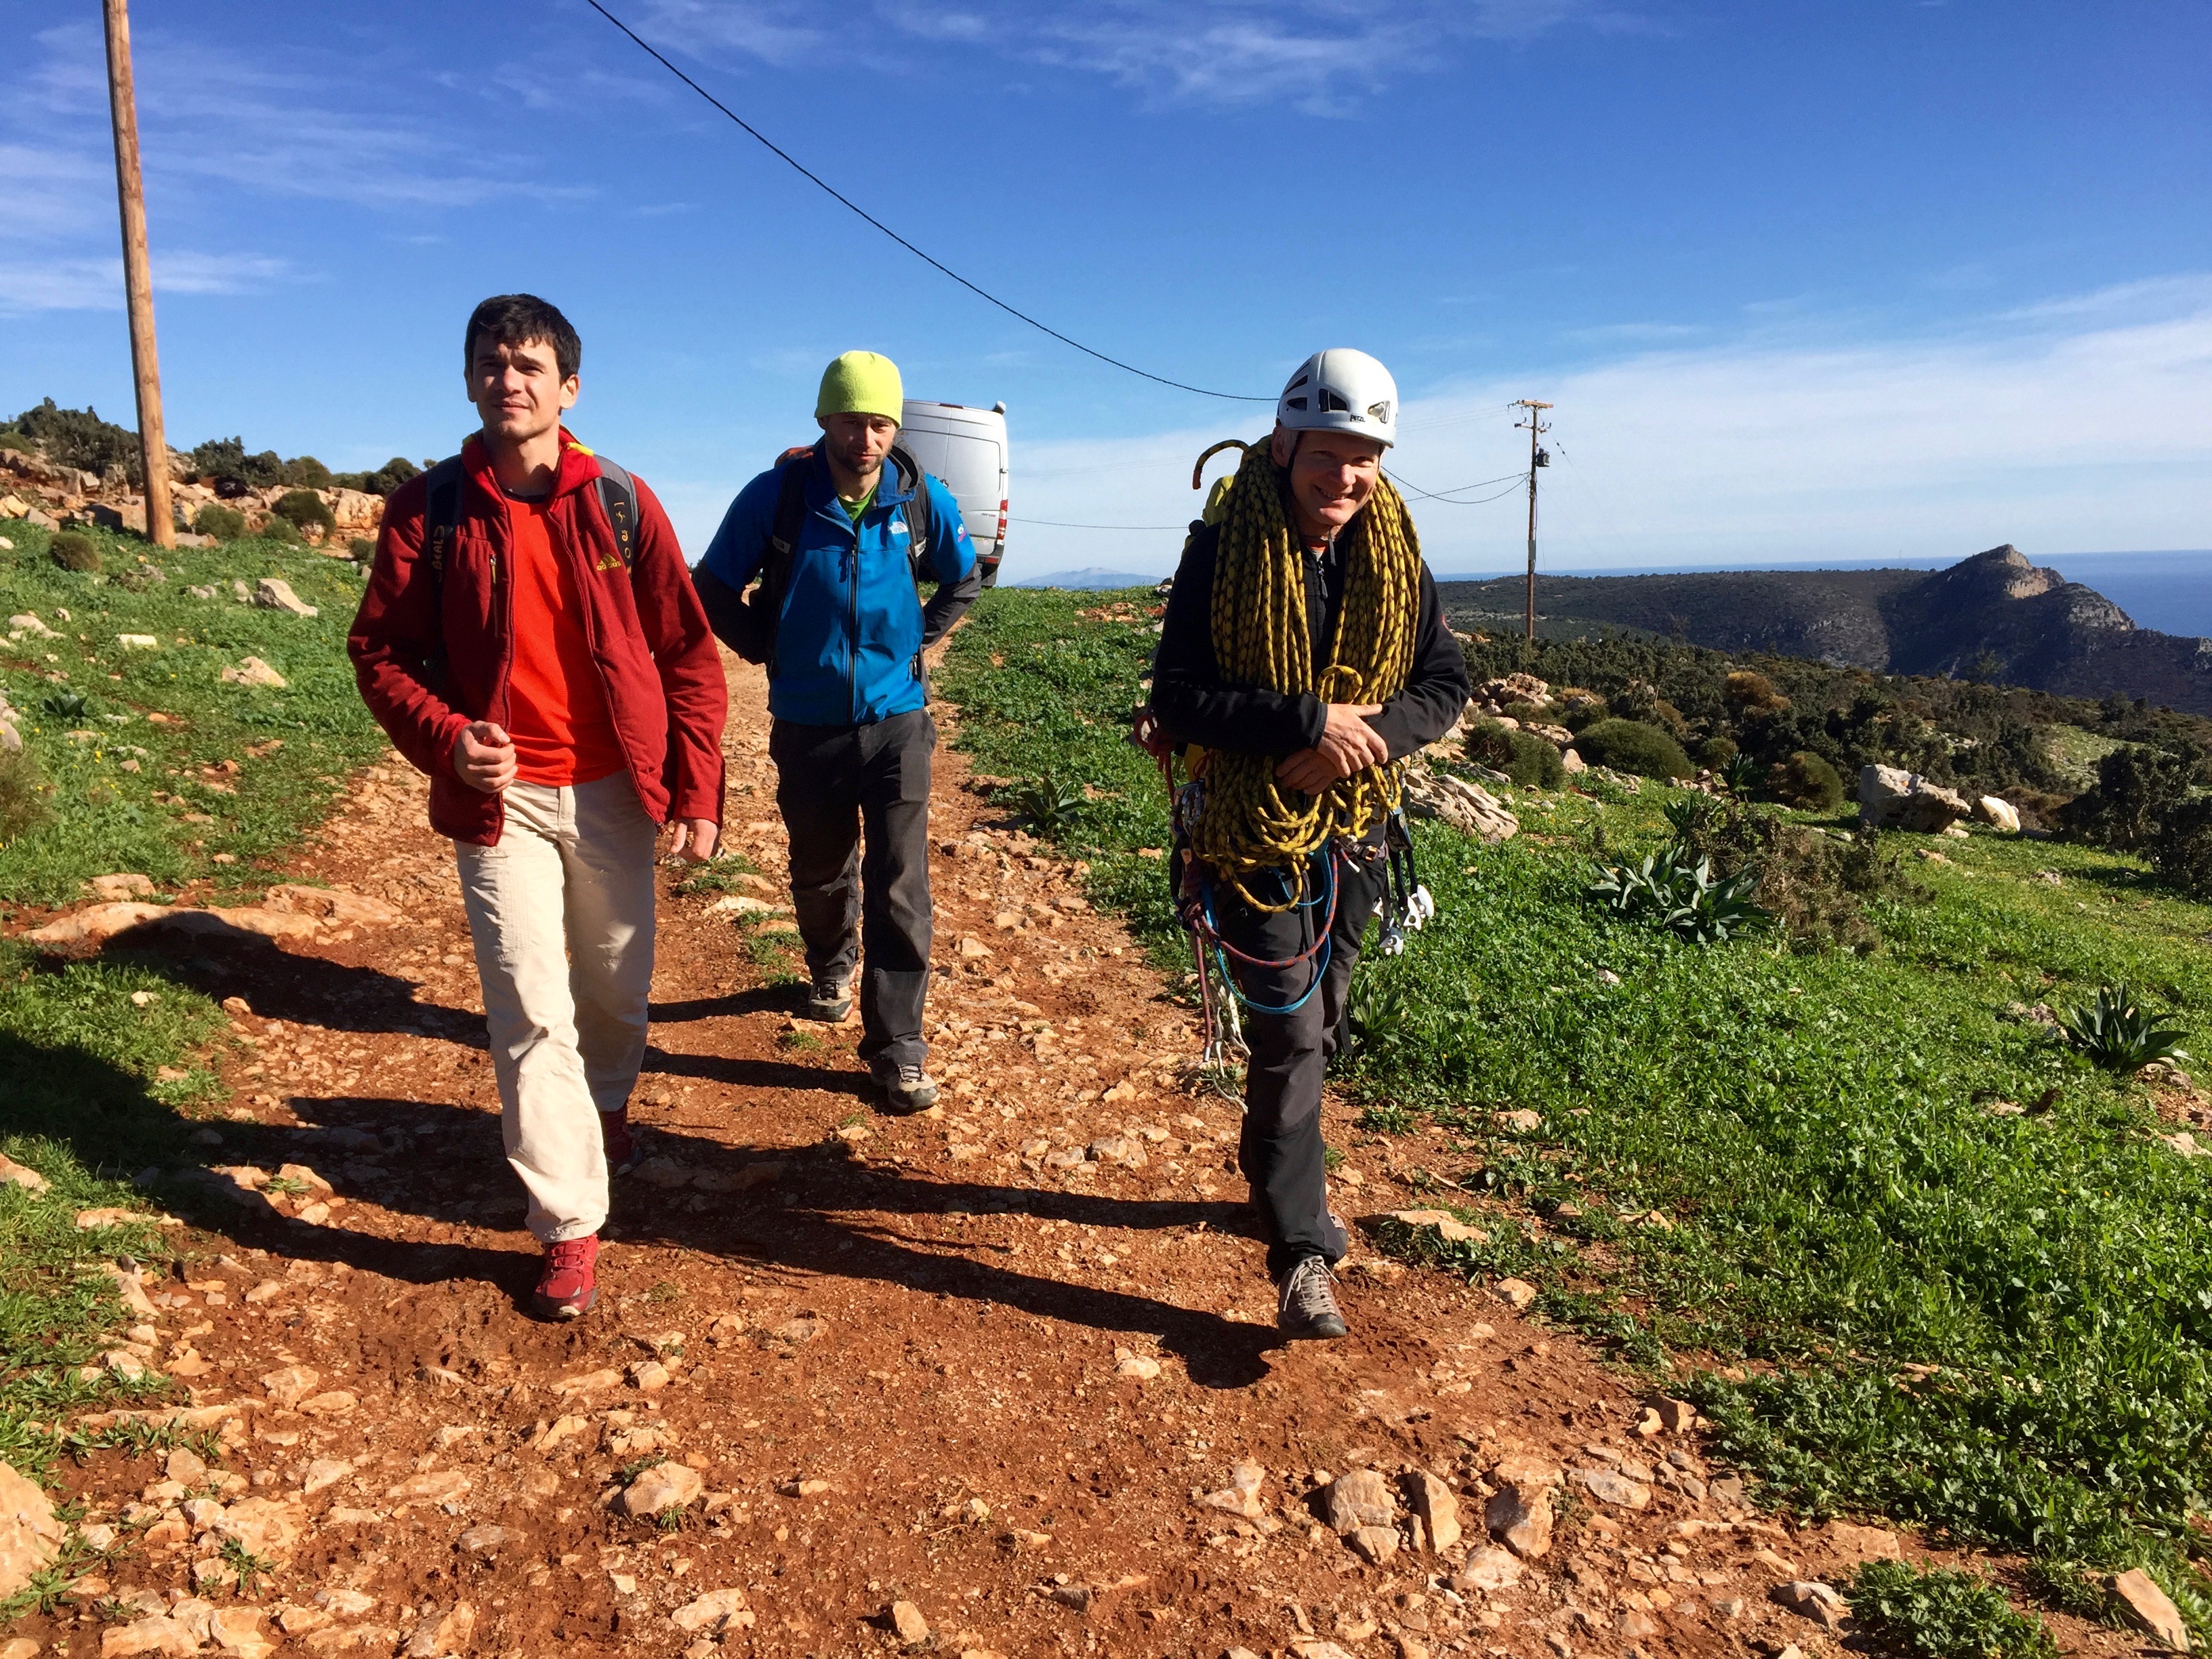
x=831, y=999
x=1306, y=1302
x=908, y=1088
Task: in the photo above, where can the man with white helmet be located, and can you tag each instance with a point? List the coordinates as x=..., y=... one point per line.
x=1302, y=653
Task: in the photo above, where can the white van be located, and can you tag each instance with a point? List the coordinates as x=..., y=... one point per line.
x=967, y=448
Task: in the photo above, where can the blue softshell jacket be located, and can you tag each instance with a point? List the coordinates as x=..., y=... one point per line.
x=848, y=648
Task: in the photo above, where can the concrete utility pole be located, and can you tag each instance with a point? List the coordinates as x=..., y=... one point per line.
x=138, y=277
x=1536, y=457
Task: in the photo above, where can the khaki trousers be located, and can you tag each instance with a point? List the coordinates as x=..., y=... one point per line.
x=561, y=911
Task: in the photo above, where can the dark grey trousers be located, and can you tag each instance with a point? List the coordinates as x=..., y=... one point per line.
x=1281, y=1153
x=855, y=804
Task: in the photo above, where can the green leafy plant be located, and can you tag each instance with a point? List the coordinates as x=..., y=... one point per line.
x=361, y=547
x=1740, y=776
x=1939, y=1613
x=1716, y=753
x=280, y=529
x=74, y=552
x=2117, y=1034
x=225, y=523
x=251, y=1569
x=1670, y=891
x=2137, y=787
x=1378, y=1019
x=1046, y=802
x=65, y=705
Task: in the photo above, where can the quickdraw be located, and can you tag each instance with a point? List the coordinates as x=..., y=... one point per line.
x=1192, y=895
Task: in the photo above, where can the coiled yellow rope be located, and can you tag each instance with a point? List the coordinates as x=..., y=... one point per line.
x=1262, y=637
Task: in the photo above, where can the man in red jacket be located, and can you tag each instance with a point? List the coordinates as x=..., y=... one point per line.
x=531, y=639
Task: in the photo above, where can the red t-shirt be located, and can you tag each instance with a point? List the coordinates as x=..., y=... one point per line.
x=557, y=710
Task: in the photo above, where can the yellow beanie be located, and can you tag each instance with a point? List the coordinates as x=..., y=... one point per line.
x=861, y=383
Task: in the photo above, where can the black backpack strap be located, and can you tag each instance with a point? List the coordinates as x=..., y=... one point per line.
x=920, y=514
x=441, y=515
x=618, y=501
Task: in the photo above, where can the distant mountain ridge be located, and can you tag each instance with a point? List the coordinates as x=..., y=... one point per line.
x=1090, y=576
x=1995, y=616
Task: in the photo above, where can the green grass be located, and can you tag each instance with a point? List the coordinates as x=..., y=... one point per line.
x=293, y=748
x=1942, y=1614
x=1836, y=1203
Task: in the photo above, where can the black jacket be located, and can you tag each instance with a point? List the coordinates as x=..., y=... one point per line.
x=1197, y=705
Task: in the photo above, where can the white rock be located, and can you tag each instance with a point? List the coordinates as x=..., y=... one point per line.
x=717, y=1610
x=137, y=642
x=1998, y=813
x=1467, y=807
x=252, y=671
x=275, y=594
x=1489, y=1568
x=1892, y=800
x=29, y=1534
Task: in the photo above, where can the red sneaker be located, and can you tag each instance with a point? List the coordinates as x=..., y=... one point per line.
x=623, y=1153
x=565, y=1287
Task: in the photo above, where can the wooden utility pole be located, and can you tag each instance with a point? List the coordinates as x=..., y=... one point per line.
x=1536, y=457
x=138, y=277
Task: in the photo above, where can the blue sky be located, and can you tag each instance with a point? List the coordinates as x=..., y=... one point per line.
x=1888, y=279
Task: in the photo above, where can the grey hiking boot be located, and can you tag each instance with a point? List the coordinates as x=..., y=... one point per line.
x=905, y=1088
x=1306, y=1302
x=831, y=999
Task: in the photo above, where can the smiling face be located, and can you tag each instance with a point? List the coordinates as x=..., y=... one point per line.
x=855, y=446
x=1332, y=476
x=518, y=390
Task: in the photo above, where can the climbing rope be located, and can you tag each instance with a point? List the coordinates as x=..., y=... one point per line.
x=1262, y=636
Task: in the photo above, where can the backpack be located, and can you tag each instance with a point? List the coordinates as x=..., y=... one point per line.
x=761, y=611
x=441, y=515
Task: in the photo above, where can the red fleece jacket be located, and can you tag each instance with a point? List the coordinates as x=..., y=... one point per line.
x=657, y=660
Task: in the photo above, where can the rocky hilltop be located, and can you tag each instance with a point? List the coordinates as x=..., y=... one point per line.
x=1997, y=616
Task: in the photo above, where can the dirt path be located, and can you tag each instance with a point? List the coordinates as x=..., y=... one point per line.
x=986, y=1361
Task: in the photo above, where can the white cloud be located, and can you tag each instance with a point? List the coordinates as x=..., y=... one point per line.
x=2093, y=435
x=1321, y=55
x=96, y=284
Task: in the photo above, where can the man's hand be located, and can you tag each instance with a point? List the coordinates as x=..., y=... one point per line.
x=484, y=757
x=1348, y=744
x=694, y=839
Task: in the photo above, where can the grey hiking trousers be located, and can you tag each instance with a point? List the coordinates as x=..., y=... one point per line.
x=855, y=804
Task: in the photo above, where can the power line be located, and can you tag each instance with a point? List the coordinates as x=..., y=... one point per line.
x=1059, y=524
x=1512, y=480
x=839, y=196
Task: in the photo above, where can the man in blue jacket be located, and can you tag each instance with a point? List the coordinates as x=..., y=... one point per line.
x=835, y=536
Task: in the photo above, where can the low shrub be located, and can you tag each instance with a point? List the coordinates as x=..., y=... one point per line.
x=1747, y=690
x=382, y=482
x=1941, y=1613
x=1522, y=757
x=74, y=552
x=23, y=791
x=1046, y=802
x=1815, y=886
x=2137, y=786
x=280, y=529
x=306, y=472
x=1581, y=716
x=2182, y=854
x=302, y=508
x=79, y=438
x=1807, y=782
x=1629, y=745
x=225, y=523
x=1717, y=752
x=362, y=548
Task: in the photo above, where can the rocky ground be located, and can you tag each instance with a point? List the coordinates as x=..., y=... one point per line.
x=1001, y=1379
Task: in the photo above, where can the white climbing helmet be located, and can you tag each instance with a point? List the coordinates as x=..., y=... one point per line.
x=1341, y=390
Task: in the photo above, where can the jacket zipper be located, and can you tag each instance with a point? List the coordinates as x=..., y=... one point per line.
x=852, y=643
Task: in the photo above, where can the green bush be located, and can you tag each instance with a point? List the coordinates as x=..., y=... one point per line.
x=13, y=440
x=1717, y=752
x=78, y=437
x=302, y=508
x=225, y=523
x=306, y=472
x=280, y=530
x=1943, y=1614
x=1525, y=758
x=1815, y=886
x=1633, y=746
x=73, y=550
x=2182, y=854
x=382, y=482
x=1806, y=781
x=362, y=548
x=2137, y=786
